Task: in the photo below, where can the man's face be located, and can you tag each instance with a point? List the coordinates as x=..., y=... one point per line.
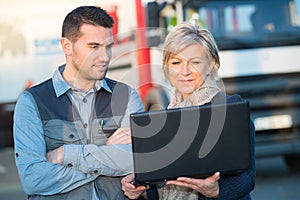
x=91, y=53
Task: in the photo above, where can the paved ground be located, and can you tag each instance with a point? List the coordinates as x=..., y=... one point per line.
x=274, y=181
x=10, y=187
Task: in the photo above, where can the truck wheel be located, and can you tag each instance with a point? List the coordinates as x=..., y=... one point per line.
x=293, y=162
x=157, y=99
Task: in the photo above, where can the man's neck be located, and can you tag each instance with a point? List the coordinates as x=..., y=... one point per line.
x=74, y=79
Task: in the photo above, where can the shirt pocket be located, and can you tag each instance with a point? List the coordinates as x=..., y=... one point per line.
x=105, y=127
x=58, y=133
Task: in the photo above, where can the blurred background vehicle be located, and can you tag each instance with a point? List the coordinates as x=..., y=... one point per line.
x=259, y=44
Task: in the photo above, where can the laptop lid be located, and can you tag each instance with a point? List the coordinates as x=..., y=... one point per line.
x=191, y=142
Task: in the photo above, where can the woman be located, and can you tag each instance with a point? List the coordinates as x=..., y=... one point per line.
x=191, y=63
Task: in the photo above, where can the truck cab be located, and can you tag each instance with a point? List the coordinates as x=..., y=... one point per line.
x=259, y=47
x=259, y=43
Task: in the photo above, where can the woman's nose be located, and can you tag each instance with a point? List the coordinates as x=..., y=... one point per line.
x=186, y=68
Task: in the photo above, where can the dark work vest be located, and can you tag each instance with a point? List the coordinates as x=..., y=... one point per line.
x=62, y=125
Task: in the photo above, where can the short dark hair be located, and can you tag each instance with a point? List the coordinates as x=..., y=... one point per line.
x=84, y=15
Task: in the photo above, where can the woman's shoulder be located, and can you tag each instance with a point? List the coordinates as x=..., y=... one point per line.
x=225, y=98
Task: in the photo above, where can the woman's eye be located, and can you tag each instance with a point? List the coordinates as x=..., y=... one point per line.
x=175, y=63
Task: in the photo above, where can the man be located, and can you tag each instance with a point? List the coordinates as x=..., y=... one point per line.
x=71, y=133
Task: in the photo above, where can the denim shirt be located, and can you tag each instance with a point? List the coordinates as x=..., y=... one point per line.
x=81, y=163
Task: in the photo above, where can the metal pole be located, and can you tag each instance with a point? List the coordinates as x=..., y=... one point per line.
x=179, y=11
x=142, y=53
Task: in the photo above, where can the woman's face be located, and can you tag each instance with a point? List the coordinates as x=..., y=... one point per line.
x=188, y=69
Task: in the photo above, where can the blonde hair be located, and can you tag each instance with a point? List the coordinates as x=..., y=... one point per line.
x=184, y=35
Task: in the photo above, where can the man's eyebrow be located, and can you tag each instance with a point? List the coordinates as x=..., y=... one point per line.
x=112, y=43
x=100, y=44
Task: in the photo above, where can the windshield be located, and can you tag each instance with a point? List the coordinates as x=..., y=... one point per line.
x=248, y=23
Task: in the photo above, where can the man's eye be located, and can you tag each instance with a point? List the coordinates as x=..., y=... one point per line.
x=94, y=46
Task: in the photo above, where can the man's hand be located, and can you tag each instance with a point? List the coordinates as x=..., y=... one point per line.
x=55, y=156
x=120, y=136
x=209, y=187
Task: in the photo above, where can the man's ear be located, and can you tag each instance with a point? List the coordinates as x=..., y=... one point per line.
x=66, y=45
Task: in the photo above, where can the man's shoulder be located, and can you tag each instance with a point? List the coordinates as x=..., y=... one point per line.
x=42, y=84
x=113, y=83
x=41, y=87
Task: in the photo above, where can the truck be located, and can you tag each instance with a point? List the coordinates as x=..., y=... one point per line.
x=259, y=49
x=259, y=43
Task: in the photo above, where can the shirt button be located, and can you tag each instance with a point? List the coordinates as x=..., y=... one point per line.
x=84, y=100
x=70, y=165
x=85, y=125
x=17, y=155
x=96, y=171
x=71, y=136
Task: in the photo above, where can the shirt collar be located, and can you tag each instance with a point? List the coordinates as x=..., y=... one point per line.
x=105, y=85
x=61, y=86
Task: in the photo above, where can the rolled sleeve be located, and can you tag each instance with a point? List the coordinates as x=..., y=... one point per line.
x=108, y=160
x=37, y=175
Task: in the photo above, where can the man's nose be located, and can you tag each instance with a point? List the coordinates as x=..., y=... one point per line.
x=104, y=55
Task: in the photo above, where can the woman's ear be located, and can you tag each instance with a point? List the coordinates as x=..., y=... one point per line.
x=211, y=67
x=167, y=74
x=66, y=45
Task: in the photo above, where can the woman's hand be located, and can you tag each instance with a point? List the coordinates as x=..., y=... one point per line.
x=131, y=191
x=209, y=187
